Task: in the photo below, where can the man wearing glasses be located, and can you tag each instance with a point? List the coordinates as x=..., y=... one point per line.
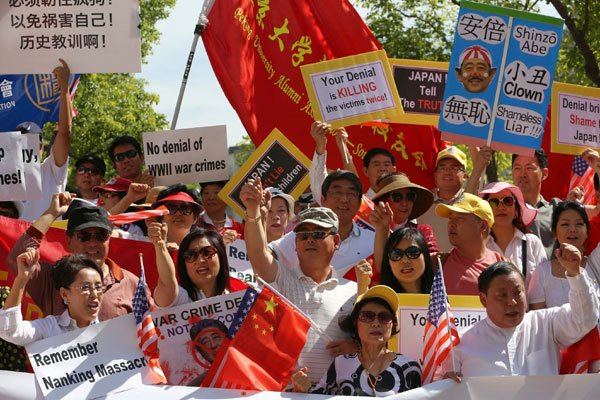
x=126, y=155
x=89, y=172
x=88, y=233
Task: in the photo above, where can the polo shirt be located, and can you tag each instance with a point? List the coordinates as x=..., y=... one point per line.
x=461, y=274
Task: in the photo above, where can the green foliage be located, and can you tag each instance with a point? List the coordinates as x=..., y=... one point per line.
x=152, y=11
x=245, y=148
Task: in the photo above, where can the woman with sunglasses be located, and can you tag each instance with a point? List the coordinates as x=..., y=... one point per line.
x=509, y=234
x=79, y=282
x=373, y=370
x=183, y=212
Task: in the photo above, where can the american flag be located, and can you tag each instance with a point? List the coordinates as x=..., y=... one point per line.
x=583, y=175
x=147, y=333
x=436, y=341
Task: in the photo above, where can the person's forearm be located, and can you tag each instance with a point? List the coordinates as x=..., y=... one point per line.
x=15, y=297
x=259, y=254
x=62, y=142
x=166, y=287
x=44, y=222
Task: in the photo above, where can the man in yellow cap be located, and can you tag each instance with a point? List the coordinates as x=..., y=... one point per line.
x=469, y=222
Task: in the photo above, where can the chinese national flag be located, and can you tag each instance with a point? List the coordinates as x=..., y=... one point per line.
x=576, y=358
x=262, y=346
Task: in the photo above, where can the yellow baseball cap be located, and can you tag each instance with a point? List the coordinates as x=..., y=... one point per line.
x=383, y=292
x=468, y=204
x=452, y=152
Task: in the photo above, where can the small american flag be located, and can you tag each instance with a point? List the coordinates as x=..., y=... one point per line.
x=148, y=339
x=582, y=175
x=436, y=341
x=127, y=218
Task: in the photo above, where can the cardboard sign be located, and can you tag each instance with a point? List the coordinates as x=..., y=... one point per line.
x=87, y=363
x=239, y=265
x=187, y=155
x=350, y=90
x=92, y=36
x=187, y=348
x=575, y=118
x=421, y=86
x=277, y=162
x=12, y=169
x=500, y=78
x=412, y=316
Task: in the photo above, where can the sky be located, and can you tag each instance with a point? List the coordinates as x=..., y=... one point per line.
x=204, y=103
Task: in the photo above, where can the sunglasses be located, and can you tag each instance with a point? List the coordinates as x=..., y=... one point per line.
x=411, y=252
x=205, y=252
x=399, y=197
x=90, y=171
x=109, y=195
x=184, y=210
x=384, y=317
x=129, y=154
x=507, y=201
x=316, y=235
x=100, y=236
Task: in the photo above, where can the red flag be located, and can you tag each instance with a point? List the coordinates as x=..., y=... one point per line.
x=576, y=358
x=262, y=346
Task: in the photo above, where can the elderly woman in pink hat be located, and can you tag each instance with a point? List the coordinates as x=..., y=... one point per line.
x=509, y=237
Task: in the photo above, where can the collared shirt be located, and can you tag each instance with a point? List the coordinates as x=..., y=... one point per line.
x=542, y=224
x=536, y=254
x=354, y=248
x=461, y=274
x=437, y=223
x=532, y=347
x=206, y=222
x=13, y=329
x=326, y=304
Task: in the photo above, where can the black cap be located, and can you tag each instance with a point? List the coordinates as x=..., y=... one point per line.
x=90, y=158
x=88, y=217
x=29, y=127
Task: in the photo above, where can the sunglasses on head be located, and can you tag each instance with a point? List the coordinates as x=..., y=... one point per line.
x=399, y=197
x=507, y=201
x=129, y=154
x=411, y=252
x=206, y=252
x=184, y=210
x=315, y=235
x=84, y=170
x=384, y=317
x=100, y=236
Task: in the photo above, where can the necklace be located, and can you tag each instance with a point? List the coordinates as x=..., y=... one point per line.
x=371, y=383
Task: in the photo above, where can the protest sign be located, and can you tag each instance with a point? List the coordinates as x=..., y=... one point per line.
x=575, y=118
x=187, y=155
x=420, y=85
x=350, y=90
x=31, y=163
x=239, y=265
x=92, y=36
x=12, y=169
x=412, y=316
x=190, y=336
x=277, y=162
x=91, y=362
x=500, y=78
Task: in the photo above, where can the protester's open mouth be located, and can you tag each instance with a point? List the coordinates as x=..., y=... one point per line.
x=512, y=314
x=202, y=270
x=376, y=333
x=407, y=270
x=94, y=306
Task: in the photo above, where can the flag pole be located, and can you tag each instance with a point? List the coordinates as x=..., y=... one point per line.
x=446, y=305
x=200, y=25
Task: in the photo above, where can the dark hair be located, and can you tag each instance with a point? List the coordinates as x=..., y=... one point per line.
x=569, y=205
x=348, y=324
x=10, y=205
x=220, y=184
x=540, y=155
x=339, y=175
x=496, y=269
x=200, y=326
x=376, y=151
x=179, y=188
x=517, y=222
x=387, y=276
x=215, y=239
x=596, y=182
x=119, y=140
x=65, y=269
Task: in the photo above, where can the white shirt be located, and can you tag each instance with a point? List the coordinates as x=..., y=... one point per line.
x=54, y=179
x=532, y=347
x=317, y=174
x=354, y=248
x=536, y=253
x=326, y=304
x=370, y=193
x=13, y=329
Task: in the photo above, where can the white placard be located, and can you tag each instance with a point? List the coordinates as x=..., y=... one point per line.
x=31, y=162
x=91, y=362
x=239, y=265
x=91, y=35
x=12, y=169
x=187, y=155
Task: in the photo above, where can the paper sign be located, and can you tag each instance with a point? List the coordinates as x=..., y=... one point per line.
x=87, y=363
x=31, y=162
x=575, y=118
x=187, y=155
x=188, y=345
x=92, y=36
x=12, y=169
x=420, y=85
x=239, y=265
x=350, y=90
x=277, y=162
x=500, y=78
x=412, y=315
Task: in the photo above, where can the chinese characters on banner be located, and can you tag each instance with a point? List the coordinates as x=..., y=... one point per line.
x=91, y=35
x=500, y=78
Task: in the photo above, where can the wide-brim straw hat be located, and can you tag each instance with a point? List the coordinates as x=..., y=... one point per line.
x=395, y=182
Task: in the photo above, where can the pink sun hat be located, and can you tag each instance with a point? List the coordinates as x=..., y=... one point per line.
x=528, y=213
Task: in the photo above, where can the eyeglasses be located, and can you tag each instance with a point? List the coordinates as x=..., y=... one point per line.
x=507, y=201
x=108, y=195
x=316, y=235
x=384, y=317
x=129, y=154
x=205, y=252
x=411, y=252
x=84, y=170
x=100, y=236
x=185, y=210
x=87, y=289
x=399, y=197
x=453, y=168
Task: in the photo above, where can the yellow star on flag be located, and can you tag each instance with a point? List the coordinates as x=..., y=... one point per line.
x=254, y=316
x=271, y=329
x=264, y=332
x=270, y=305
x=255, y=326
